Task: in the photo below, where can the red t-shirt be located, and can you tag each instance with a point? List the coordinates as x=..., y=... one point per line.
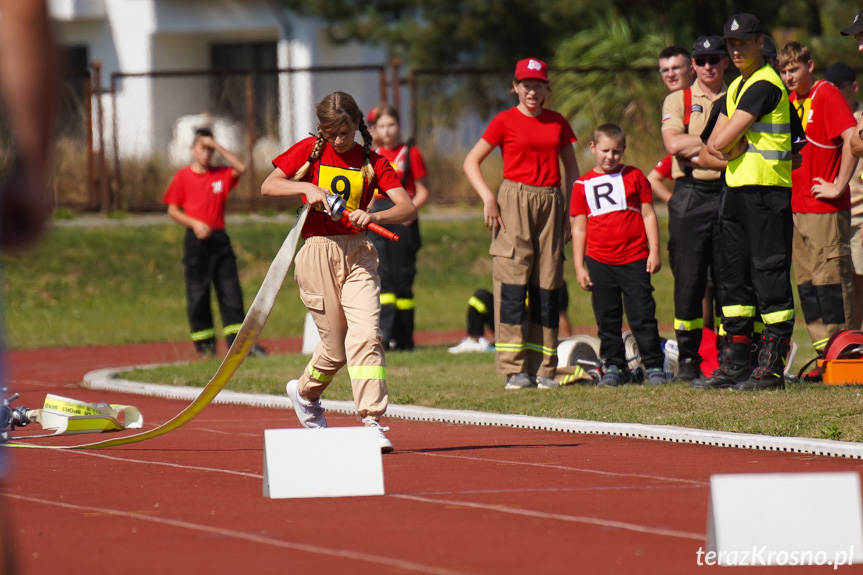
x=202, y=196
x=339, y=173
x=612, y=203
x=663, y=166
x=827, y=116
x=530, y=146
x=397, y=159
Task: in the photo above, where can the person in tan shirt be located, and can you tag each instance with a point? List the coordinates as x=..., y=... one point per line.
x=694, y=206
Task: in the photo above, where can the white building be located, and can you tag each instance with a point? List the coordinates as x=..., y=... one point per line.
x=165, y=36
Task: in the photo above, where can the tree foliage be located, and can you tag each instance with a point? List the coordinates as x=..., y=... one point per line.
x=445, y=33
x=607, y=73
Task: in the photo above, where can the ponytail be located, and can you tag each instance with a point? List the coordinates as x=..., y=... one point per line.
x=316, y=151
x=368, y=170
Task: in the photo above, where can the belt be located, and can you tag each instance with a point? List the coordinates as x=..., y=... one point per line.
x=706, y=185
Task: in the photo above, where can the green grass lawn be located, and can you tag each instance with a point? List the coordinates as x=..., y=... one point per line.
x=120, y=284
x=434, y=378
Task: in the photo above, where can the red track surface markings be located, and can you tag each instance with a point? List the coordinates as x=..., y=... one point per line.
x=460, y=499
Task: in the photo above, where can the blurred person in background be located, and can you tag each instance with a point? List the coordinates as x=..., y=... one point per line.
x=844, y=78
x=30, y=85
x=398, y=260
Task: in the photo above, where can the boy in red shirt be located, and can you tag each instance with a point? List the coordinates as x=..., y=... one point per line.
x=615, y=247
x=820, y=201
x=196, y=199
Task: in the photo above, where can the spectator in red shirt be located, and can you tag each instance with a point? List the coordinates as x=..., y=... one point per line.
x=529, y=226
x=615, y=248
x=398, y=260
x=196, y=200
x=820, y=201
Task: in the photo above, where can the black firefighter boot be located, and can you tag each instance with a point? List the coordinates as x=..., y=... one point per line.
x=770, y=373
x=734, y=367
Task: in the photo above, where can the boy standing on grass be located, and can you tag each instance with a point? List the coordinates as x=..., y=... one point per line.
x=196, y=199
x=615, y=246
x=820, y=201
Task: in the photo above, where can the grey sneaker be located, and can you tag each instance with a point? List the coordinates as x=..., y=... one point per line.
x=543, y=382
x=611, y=377
x=310, y=413
x=519, y=381
x=656, y=376
x=385, y=444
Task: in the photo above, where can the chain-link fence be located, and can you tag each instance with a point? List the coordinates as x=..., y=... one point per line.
x=256, y=114
x=144, y=123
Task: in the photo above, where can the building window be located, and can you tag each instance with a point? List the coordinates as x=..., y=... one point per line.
x=229, y=89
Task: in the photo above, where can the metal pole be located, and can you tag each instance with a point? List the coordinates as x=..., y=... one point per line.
x=92, y=197
x=250, y=131
x=104, y=192
x=395, y=64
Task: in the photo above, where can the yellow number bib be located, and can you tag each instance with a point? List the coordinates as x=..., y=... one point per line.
x=346, y=182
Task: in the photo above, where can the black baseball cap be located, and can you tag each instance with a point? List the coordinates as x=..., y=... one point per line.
x=768, y=48
x=742, y=26
x=707, y=45
x=856, y=26
x=839, y=73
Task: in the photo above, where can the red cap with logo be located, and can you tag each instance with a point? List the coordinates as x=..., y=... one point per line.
x=531, y=69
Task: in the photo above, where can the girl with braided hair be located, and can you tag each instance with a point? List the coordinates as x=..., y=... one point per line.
x=336, y=269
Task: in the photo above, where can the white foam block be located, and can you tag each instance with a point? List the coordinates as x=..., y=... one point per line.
x=332, y=462
x=780, y=516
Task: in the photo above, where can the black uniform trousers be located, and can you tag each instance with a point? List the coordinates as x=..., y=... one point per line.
x=693, y=251
x=619, y=287
x=211, y=262
x=756, y=229
x=397, y=269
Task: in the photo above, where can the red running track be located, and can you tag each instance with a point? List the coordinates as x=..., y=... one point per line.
x=460, y=499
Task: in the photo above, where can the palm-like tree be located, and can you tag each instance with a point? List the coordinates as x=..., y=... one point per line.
x=608, y=73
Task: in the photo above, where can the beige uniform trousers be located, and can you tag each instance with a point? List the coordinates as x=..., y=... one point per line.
x=338, y=281
x=824, y=273
x=528, y=265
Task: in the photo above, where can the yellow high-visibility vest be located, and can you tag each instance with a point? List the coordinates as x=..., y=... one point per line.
x=767, y=160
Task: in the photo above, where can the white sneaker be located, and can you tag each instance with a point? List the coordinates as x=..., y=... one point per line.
x=470, y=345
x=385, y=444
x=310, y=413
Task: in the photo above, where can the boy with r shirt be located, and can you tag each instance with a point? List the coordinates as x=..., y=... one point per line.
x=615, y=246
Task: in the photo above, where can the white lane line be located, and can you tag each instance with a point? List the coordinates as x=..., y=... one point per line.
x=251, y=537
x=165, y=464
x=559, y=517
x=562, y=467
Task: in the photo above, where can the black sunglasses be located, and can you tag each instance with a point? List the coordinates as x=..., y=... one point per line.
x=701, y=60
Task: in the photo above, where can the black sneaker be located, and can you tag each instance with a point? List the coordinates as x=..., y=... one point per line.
x=611, y=377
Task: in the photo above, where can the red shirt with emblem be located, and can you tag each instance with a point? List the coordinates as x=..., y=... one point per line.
x=398, y=159
x=339, y=173
x=826, y=116
x=612, y=203
x=202, y=196
x=530, y=146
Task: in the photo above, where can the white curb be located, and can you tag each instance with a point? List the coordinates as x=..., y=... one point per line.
x=105, y=379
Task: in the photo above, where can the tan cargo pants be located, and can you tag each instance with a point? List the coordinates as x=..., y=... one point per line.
x=528, y=267
x=824, y=273
x=338, y=281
